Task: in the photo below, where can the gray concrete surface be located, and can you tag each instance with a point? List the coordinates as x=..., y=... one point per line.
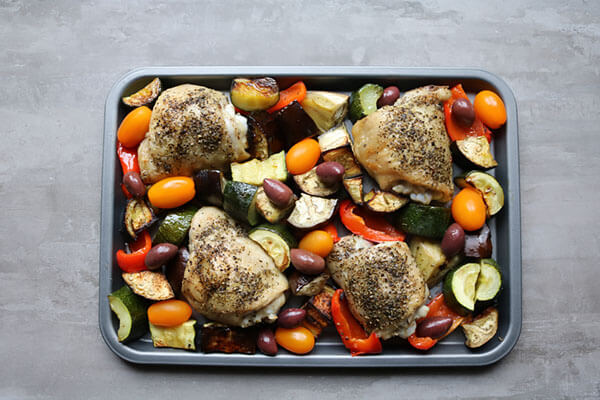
x=57, y=63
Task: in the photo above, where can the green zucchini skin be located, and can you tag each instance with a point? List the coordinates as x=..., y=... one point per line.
x=449, y=296
x=175, y=226
x=124, y=300
x=424, y=220
x=239, y=201
x=490, y=189
x=364, y=101
x=281, y=230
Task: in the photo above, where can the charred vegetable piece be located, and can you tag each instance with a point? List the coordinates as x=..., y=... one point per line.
x=327, y=109
x=490, y=189
x=479, y=244
x=481, y=329
x=345, y=157
x=295, y=124
x=473, y=152
x=258, y=142
x=384, y=202
x=131, y=312
x=310, y=183
x=179, y=337
x=209, y=185
x=334, y=139
x=254, y=94
x=149, y=284
x=144, y=96
x=267, y=124
x=176, y=269
x=307, y=285
x=354, y=187
x=254, y=171
x=318, y=311
x=227, y=339
x=268, y=209
x=138, y=216
x=310, y=211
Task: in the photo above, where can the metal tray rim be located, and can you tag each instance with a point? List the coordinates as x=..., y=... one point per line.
x=107, y=228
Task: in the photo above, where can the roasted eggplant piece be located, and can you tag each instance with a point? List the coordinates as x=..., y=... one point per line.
x=179, y=337
x=176, y=269
x=318, y=311
x=354, y=187
x=138, y=216
x=254, y=94
x=149, y=284
x=482, y=329
x=473, y=153
x=295, y=124
x=268, y=209
x=327, y=109
x=345, y=157
x=334, y=139
x=144, y=96
x=258, y=143
x=209, y=184
x=307, y=285
x=228, y=339
x=267, y=123
x=311, y=211
x=479, y=243
x=384, y=202
x=310, y=183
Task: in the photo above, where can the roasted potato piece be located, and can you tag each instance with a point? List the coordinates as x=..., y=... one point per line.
x=228, y=339
x=138, y=216
x=254, y=94
x=145, y=95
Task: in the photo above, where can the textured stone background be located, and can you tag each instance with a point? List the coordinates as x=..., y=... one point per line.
x=57, y=64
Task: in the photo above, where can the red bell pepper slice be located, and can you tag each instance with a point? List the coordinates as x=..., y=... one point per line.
x=330, y=228
x=296, y=92
x=457, y=132
x=353, y=335
x=135, y=260
x=129, y=162
x=437, y=308
x=368, y=225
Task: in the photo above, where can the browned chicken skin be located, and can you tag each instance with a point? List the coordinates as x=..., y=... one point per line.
x=192, y=128
x=405, y=147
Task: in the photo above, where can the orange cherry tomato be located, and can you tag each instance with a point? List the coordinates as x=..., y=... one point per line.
x=490, y=109
x=318, y=242
x=172, y=192
x=169, y=313
x=468, y=209
x=302, y=156
x=298, y=340
x=134, y=126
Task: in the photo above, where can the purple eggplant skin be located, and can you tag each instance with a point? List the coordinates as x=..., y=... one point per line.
x=295, y=124
x=176, y=269
x=208, y=186
x=479, y=243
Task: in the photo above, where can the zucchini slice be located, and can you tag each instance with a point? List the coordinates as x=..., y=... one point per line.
x=460, y=287
x=149, y=284
x=174, y=228
x=492, y=192
x=364, y=101
x=180, y=337
x=473, y=152
x=276, y=240
x=254, y=172
x=310, y=211
x=268, y=209
x=489, y=281
x=131, y=310
x=239, y=201
x=424, y=220
x=310, y=183
x=327, y=109
x=334, y=139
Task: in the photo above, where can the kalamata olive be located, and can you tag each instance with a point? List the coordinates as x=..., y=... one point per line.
x=479, y=243
x=388, y=97
x=266, y=342
x=463, y=112
x=307, y=262
x=176, y=269
x=160, y=255
x=330, y=172
x=279, y=193
x=453, y=240
x=291, y=317
x=133, y=183
x=433, y=327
